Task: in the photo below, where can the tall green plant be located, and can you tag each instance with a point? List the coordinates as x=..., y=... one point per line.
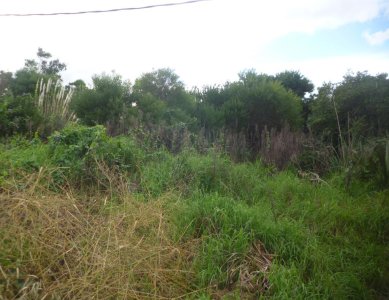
x=387, y=158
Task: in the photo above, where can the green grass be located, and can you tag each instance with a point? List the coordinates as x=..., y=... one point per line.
x=228, y=230
x=327, y=244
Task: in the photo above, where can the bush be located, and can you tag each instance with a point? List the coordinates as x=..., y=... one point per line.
x=22, y=162
x=370, y=163
x=317, y=157
x=105, y=104
x=86, y=154
x=18, y=115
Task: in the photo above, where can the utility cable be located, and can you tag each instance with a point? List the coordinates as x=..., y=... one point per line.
x=101, y=11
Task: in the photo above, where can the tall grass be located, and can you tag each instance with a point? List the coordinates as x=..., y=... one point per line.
x=153, y=225
x=53, y=101
x=66, y=247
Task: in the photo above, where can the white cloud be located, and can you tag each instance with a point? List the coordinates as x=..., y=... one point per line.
x=331, y=68
x=208, y=42
x=310, y=16
x=377, y=38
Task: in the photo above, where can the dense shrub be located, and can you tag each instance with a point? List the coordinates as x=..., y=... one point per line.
x=370, y=163
x=85, y=153
x=18, y=115
x=105, y=104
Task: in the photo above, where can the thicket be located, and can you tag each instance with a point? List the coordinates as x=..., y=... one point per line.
x=279, y=119
x=87, y=215
x=256, y=188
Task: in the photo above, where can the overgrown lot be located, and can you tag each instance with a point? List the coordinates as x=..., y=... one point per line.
x=87, y=216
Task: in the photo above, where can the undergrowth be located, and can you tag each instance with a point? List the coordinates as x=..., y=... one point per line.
x=89, y=216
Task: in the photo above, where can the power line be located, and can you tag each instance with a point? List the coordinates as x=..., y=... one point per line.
x=102, y=11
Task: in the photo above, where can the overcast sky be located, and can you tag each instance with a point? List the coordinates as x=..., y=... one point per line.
x=205, y=43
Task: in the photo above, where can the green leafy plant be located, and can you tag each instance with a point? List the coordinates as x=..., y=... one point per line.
x=84, y=153
x=18, y=115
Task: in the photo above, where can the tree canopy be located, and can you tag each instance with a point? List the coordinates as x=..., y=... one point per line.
x=296, y=82
x=104, y=102
x=354, y=109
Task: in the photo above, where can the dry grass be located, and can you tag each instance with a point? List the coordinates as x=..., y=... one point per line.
x=252, y=270
x=77, y=247
x=280, y=147
x=275, y=147
x=248, y=275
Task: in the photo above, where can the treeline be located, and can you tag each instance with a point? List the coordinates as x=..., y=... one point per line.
x=279, y=118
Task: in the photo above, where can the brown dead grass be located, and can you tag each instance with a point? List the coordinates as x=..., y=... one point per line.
x=248, y=275
x=67, y=246
x=252, y=271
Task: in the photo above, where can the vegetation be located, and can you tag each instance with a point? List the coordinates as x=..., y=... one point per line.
x=249, y=190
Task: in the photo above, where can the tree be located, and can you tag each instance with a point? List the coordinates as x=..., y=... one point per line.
x=265, y=102
x=208, y=112
x=162, y=91
x=251, y=78
x=24, y=82
x=5, y=81
x=105, y=103
x=44, y=65
x=296, y=82
x=79, y=84
x=361, y=102
x=25, y=79
x=18, y=115
x=322, y=120
x=364, y=103
x=300, y=85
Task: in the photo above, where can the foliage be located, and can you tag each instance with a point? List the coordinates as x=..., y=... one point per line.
x=44, y=66
x=105, y=103
x=301, y=86
x=147, y=222
x=370, y=163
x=209, y=102
x=362, y=104
x=24, y=82
x=317, y=157
x=270, y=104
x=164, y=212
x=84, y=154
x=21, y=109
x=296, y=82
x=351, y=118
x=79, y=84
x=250, y=104
x=18, y=115
x=25, y=79
x=5, y=80
x=162, y=83
x=161, y=97
x=244, y=110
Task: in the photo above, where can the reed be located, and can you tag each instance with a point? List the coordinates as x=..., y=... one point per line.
x=53, y=101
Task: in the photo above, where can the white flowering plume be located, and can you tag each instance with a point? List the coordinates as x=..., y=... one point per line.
x=53, y=99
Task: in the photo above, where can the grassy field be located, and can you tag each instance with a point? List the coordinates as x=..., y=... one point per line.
x=85, y=216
